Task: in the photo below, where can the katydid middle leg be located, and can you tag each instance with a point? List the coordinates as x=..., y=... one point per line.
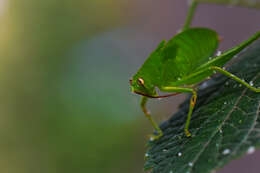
x=192, y=102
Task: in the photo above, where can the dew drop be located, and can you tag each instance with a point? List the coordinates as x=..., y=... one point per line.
x=251, y=83
x=151, y=138
x=226, y=151
x=227, y=83
x=170, y=172
x=210, y=58
x=146, y=155
x=204, y=85
x=220, y=131
x=251, y=150
x=240, y=85
x=179, y=154
x=164, y=150
x=224, y=68
x=190, y=164
x=225, y=103
x=178, y=78
x=219, y=53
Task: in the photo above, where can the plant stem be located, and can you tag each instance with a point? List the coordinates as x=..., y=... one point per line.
x=190, y=15
x=242, y=3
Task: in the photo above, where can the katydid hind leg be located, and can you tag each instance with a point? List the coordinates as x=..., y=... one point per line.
x=228, y=74
x=226, y=56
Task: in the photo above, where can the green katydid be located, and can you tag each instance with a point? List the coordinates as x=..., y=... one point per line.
x=180, y=64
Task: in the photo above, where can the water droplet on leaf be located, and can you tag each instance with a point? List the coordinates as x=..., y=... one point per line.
x=251, y=150
x=226, y=151
x=219, y=53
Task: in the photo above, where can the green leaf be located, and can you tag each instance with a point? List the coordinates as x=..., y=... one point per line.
x=224, y=126
x=242, y=3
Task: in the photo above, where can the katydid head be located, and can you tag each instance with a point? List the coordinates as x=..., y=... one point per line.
x=142, y=87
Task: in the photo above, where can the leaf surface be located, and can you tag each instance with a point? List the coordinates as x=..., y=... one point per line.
x=224, y=125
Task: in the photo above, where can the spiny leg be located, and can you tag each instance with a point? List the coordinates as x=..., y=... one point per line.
x=215, y=68
x=147, y=114
x=192, y=103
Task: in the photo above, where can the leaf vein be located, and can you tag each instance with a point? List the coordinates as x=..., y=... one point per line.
x=220, y=126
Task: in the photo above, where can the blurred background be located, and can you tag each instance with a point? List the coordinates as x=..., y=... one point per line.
x=65, y=102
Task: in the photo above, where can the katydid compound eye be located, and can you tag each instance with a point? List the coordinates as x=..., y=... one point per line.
x=140, y=81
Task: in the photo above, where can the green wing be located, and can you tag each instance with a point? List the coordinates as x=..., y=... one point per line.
x=187, y=51
x=179, y=57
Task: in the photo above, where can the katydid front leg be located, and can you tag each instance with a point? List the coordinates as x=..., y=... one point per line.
x=177, y=90
x=192, y=103
x=148, y=115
